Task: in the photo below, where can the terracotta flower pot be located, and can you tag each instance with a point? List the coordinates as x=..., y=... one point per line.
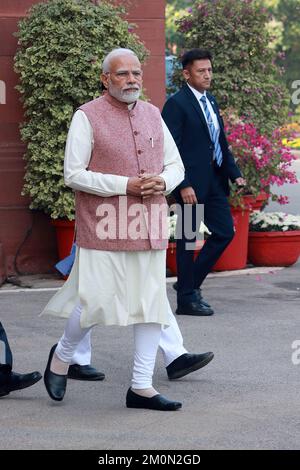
x=171, y=255
x=235, y=255
x=274, y=248
x=64, y=236
x=256, y=202
x=171, y=258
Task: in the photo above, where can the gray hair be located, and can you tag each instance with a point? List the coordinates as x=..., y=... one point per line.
x=114, y=53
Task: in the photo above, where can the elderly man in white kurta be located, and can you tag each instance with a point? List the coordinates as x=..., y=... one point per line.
x=120, y=160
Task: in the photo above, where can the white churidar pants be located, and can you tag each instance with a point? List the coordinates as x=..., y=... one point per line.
x=170, y=343
x=75, y=346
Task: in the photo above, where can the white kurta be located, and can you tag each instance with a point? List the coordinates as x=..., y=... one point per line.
x=113, y=287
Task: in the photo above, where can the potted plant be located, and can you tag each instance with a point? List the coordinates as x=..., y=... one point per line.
x=274, y=238
x=264, y=161
x=61, y=45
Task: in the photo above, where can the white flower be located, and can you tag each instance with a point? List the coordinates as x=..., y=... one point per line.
x=172, y=220
x=258, y=152
x=274, y=221
x=203, y=229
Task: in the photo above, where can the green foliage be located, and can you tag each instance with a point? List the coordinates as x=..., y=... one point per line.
x=270, y=4
x=175, y=10
x=245, y=76
x=173, y=37
x=61, y=47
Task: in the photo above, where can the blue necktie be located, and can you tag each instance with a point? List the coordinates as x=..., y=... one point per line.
x=214, y=133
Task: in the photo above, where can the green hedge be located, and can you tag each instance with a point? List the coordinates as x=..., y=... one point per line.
x=61, y=45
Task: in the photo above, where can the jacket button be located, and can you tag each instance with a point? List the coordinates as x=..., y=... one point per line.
x=139, y=152
x=135, y=132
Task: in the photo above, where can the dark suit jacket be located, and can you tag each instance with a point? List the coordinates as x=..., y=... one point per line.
x=186, y=122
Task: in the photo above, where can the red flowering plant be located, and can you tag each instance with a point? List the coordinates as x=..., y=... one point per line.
x=263, y=160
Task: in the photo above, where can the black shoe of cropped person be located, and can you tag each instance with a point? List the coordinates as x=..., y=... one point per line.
x=12, y=381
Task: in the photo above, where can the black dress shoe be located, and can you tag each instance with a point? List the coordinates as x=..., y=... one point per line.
x=86, y=372
x=158, y=402
x=55, y=383
x=194, y=308
x=200, y=298
x=197, y=292
x=14, y=381
x=187, y=363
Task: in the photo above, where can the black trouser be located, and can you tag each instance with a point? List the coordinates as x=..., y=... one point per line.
x=218, y=219
x=6, y=359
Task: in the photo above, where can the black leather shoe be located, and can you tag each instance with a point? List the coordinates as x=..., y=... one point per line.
x=158, y=402
x=198, y=293
x=14, y=381
x=194, y=308
x=55, y=383
x=86, y=372
x=200, y=298
x=187, y=363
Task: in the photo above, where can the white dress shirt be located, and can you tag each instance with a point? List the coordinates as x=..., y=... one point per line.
x=78, y=154
x=198, y=96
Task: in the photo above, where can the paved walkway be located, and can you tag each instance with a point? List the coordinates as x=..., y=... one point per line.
x=246, y=398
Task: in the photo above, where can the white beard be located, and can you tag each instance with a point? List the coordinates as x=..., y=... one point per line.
x=125, y=97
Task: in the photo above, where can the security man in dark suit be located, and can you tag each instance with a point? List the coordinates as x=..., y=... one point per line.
x=193, y=118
